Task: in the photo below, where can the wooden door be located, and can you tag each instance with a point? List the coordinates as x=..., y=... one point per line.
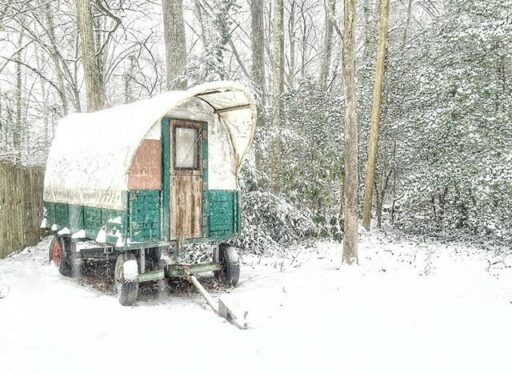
x=187, y=180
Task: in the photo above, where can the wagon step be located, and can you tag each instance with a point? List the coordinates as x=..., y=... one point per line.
x=219, y=306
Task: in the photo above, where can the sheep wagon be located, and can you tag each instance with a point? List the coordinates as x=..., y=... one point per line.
x=139, y=181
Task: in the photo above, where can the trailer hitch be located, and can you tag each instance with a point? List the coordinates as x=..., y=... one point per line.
x=220, y=307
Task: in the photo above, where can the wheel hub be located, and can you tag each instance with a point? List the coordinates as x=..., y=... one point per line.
x=57, y=254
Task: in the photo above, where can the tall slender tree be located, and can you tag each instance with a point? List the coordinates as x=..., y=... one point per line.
x=330, y=11
x=54, y=54
x=175, y=44
x=277, y=88
x=94, y=88
x=377, y=100
x=258, y=54
x=18, y=134
x=350, y=255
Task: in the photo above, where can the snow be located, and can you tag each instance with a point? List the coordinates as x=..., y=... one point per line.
x=91, y=153
x=120, y=241
x=409, y=307
x=102, y=236
x=130, y=270
x=79, y=235
x=64, y=231
x=117, y=220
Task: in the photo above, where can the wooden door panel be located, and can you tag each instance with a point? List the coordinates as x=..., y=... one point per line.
x=186, y=192
x=187, y=214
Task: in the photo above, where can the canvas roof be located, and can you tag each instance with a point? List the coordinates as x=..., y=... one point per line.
x=91, y=153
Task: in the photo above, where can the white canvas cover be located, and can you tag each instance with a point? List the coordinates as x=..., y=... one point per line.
x=91, y=153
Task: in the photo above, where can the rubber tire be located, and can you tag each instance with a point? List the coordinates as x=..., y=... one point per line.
x=228, y=256
x=66, y=264
x=127, y=290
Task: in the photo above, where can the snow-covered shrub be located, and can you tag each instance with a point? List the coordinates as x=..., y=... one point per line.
x=308, y=202
x=270, y=222
x=449, y=114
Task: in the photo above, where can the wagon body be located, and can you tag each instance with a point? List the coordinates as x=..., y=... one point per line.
x=154, y=173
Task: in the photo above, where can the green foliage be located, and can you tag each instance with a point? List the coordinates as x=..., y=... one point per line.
x=218, y=27
x=308, y=204
x=450, y=111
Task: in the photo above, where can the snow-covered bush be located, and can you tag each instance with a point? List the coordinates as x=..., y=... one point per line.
x=308, y=202
x=270, y=222
x=450, y=114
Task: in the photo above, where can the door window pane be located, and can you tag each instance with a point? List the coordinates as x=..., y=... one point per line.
x=186, y=148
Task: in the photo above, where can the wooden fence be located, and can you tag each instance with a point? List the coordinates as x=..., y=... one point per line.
x=21, y=207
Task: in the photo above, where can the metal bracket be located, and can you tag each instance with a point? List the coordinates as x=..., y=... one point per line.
x=142, y=260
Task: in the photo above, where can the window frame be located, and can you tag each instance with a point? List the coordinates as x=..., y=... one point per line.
x=198, y=142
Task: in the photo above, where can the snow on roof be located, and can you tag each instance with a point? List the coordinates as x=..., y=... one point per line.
x=91, y=153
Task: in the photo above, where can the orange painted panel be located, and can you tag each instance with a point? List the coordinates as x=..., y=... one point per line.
x=146, y=170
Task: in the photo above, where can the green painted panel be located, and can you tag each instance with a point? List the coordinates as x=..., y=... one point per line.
x=76, y=218
x=107, y=215
x=223, y=213
x=50, y=213
x=238, y=214
x=61, y=215
x=92, y=221
x=144, y=215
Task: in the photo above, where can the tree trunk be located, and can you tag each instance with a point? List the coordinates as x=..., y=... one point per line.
x=350, y=142
x=128, y=77
x=377, y=99
x=330, y=12
x=18, y=130
x=258, y=55
x=407, y=23
x=100, y=24
x=54, y=55
x=277, y=90
x=379, y=203
x=44, y=96
x=175, y=44
x=304, y=42
x=95, y=91
x=291, y=39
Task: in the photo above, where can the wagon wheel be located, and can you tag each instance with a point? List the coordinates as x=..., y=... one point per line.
x=228, y=256
x=60, y=256
x=126, y=276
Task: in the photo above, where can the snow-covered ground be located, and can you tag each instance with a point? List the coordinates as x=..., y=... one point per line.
x=408, y=308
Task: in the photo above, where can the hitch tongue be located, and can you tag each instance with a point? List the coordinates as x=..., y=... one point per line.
x=232, y=317
x=220, y=307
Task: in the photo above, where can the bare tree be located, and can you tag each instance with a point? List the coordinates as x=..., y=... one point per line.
x=95, y=90
x=330, y=12
x=19, y=128
x=54, y=54
x=377, y=99
x=277, y=88
x=291, y=43
x=350, y=255
x=175, y=43
x=258, y=53
x=407, y=22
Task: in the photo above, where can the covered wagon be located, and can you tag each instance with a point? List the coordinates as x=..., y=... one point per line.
x=141, y=180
